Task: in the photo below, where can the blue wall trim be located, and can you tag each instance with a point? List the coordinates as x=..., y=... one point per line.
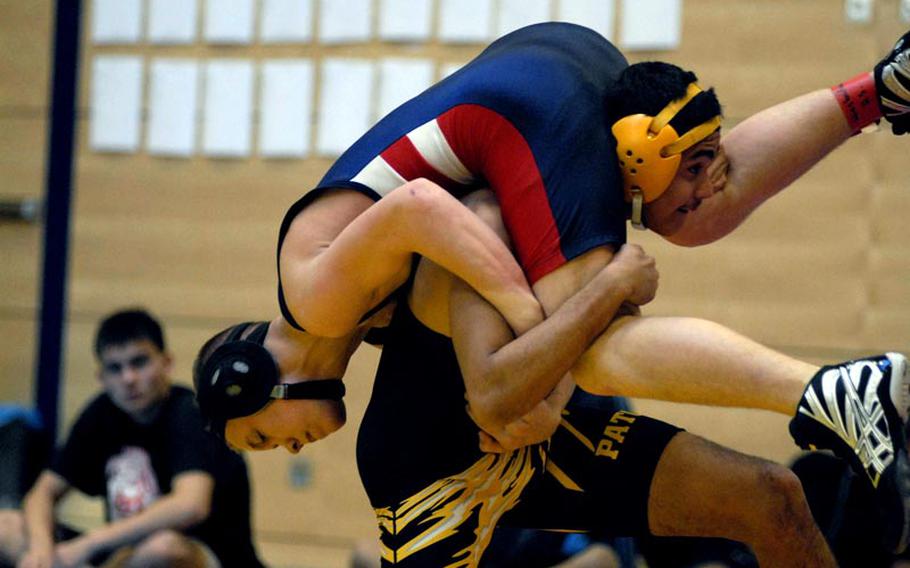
x=58, y=198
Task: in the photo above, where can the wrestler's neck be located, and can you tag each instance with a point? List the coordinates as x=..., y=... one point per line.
x=305, y=356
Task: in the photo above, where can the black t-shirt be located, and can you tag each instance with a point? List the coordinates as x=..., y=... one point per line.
x=109, y=455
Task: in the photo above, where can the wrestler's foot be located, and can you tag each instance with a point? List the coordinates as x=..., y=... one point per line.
x=859, y=410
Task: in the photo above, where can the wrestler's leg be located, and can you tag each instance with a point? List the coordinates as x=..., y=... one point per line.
x=702, y=489
x=676, y=359
x=344, y=253
x=620, y=473
x=858, y=408
x=691, y=360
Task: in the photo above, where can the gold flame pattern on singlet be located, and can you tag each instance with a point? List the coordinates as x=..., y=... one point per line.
x=491, y=486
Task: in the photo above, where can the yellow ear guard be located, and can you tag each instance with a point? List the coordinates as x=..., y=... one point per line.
x=649, y=151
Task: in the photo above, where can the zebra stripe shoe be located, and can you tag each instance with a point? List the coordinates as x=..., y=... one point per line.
x=859, y=410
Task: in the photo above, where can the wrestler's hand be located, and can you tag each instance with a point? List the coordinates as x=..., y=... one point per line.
x=892, y=83
x=534, y=427
x=637, y=270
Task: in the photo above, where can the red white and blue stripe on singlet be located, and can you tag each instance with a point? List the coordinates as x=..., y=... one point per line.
x=422, y=152
x=448, y=149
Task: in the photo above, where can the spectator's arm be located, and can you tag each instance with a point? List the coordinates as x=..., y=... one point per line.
x=188, y=503
x=38, y=509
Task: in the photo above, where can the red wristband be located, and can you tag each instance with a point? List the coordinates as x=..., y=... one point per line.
x=858, y=101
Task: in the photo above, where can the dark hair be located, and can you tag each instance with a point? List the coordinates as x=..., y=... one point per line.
x=647, y=87
x=125, y=326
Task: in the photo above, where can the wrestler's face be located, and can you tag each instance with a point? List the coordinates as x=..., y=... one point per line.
x=135, y=376
x=692, y=185
x=285, y=423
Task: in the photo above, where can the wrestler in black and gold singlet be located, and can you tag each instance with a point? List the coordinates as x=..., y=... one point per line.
x=437, y=497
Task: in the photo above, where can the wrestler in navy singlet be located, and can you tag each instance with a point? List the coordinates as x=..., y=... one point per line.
x=527, y=119
x=437, y=497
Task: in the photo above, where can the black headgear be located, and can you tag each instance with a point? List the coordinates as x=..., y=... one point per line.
x=240, y=377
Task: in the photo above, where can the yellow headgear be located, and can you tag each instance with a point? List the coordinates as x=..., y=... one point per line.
x=649, y=151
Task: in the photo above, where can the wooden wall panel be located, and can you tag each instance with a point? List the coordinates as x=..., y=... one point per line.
x=821, y=271
x=24, y=64
x=17, y=360
x=25, y=47
x=23, y=135
x=169, y=232
x=758, y=53
x=20, y=249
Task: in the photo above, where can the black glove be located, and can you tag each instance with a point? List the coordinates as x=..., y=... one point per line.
x=892, y=82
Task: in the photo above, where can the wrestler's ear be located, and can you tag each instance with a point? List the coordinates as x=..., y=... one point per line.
x=168, y=361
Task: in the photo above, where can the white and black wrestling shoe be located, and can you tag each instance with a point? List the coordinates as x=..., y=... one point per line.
x=859, y=410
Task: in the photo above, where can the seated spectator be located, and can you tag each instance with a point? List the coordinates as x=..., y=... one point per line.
x=174, y=496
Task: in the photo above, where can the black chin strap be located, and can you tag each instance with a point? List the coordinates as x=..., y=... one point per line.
x=325, y=389
x=258, y=334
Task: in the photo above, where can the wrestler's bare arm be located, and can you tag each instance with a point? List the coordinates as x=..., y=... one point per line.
x=344, y=253
x=771, y=149
x=766, y=153
x=506, y=377
x=515, y=386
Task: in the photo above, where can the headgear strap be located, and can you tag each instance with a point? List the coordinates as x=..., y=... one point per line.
x=241, y=377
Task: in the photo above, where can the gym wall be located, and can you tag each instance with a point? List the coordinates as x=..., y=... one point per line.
x=821, y=272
